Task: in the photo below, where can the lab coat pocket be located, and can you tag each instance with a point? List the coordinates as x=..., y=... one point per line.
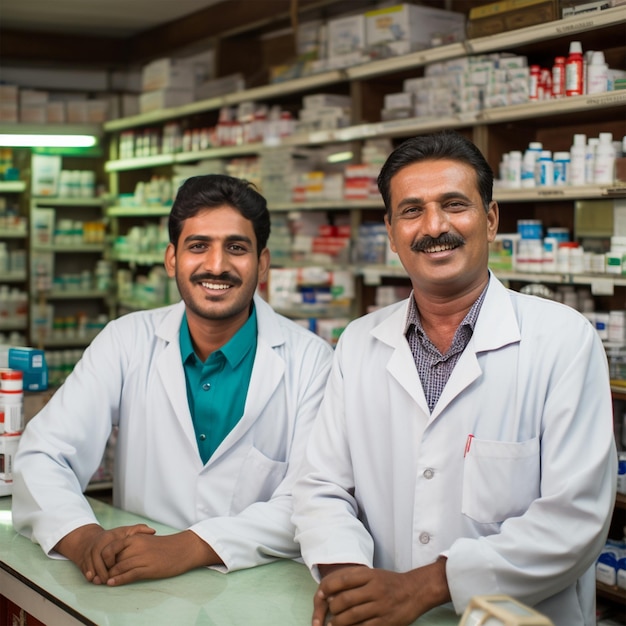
x=500, y=479
x=258, y=478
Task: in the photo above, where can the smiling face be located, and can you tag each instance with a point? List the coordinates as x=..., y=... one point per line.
x=217, y=266
x=439, y=226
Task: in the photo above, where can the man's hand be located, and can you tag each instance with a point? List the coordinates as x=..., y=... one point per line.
x=130, y=553
x=141, y=557
x=94, y=550
x=376, y=597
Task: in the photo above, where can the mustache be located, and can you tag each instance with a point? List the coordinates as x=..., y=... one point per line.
x=426, y=242
x=224, y=277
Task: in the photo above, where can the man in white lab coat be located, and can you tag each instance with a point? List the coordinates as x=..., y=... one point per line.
x=464, y=445
x=212, y=398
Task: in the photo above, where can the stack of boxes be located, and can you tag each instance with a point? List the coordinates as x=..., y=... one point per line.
x=166, y=83
x=35, y=106
x=463, y=85
x=389, y=31
x=323, y=112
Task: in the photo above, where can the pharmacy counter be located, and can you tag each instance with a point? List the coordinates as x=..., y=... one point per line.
x=55, y=592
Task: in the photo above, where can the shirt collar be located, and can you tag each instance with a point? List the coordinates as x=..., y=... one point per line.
x=413, y=316
x=236, y=348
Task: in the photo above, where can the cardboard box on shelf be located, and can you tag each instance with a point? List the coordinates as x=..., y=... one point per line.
x=506, y=15
x=168, y=74
x=346, y=35
x=9, y=112
x=55, y=113
x=164, y=99
x=33, y=97
x=220, y=86
x=77, y=111
x=9, y=94
x=97, y=111
x=578, y=7
x=34, y=114
x=414, y=26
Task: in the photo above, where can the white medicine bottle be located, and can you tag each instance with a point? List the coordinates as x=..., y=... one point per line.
x=590, y=159
x=604, y=163
x=530, y=174
x=514, y=170
x=577, y=160
x=546, y=169
x=597, y=73
x=561, y=168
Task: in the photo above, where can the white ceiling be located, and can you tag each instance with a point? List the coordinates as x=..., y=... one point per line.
x=107, y=18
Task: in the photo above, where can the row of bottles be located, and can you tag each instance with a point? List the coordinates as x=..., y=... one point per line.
x=589, y=161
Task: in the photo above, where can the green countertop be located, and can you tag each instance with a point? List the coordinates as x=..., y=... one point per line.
x=278, y=594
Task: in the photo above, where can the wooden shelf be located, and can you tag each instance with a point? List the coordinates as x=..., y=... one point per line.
x=614, y=593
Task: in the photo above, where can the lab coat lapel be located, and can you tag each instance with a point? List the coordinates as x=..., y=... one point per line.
x=496, y=327
x=170, y=368
x=401, y=365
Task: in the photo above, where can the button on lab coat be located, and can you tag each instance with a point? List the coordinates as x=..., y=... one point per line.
x=522, y=509
x=132, y=378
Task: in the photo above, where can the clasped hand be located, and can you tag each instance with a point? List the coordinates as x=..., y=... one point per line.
x=356, y=594
x=129, y=553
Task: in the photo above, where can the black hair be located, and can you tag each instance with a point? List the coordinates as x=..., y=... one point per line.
x=216, y=190
x=446, y=144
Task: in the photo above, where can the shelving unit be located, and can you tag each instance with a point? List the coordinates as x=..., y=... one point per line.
x=493, y=130
x=13, y=278
x=70, y=291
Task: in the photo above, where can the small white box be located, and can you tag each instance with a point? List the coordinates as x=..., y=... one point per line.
x=319, y=100
x=43, y=224
x=168, y=73
x=163, y=99
x=346, y=35
x=402, y=100
x=46, y=170
x=412, y=23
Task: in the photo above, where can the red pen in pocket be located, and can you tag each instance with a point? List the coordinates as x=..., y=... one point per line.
x=468, y=444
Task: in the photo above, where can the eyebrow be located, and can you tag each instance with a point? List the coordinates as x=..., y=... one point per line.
x=227, y=239
x=450, y=195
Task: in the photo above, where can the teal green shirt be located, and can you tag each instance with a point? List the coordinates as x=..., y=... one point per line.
x=217, y=389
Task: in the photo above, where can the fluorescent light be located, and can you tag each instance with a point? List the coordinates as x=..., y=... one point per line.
x=338, y=157
x=46, y=141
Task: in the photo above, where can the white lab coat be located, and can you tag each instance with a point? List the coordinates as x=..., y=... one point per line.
x=132, y=377
x=525, y=512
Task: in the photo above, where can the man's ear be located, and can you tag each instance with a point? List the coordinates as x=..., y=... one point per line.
x=170, y=260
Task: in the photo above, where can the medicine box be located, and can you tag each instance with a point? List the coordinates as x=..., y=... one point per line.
x=32, y=362
x=417, y=25
x=167, y=73
x=346, y=35
x=321, y=100
x=164, y=99
x=503, y=252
